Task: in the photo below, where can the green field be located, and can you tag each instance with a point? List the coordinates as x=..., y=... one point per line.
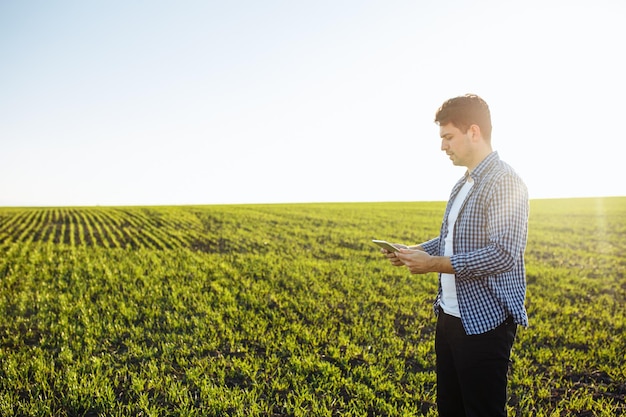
x=287, y=310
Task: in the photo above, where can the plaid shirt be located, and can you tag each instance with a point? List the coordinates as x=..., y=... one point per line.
x=489, y=241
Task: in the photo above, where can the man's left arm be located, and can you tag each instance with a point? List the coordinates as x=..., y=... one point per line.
x=506, y=227
x=420, y=262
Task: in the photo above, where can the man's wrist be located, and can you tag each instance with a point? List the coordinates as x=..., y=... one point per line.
x=442, y=265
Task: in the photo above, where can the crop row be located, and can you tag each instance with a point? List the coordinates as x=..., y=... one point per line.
x=105, y=227
x=220, y=229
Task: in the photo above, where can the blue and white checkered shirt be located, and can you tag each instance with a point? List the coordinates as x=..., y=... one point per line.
x=489, y=241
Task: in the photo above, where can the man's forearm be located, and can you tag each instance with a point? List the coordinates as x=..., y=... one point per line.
x=438, y=263
x=420, y=262
x=441, y=264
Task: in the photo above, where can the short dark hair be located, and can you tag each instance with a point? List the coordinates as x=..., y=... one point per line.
x=464, y=111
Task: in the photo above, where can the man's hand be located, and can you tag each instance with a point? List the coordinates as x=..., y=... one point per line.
x=393, y=259
x=420, y=262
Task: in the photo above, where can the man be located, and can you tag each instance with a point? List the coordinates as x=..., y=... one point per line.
x=479, y=255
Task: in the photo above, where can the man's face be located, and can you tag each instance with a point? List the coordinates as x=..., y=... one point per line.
x=456, y=144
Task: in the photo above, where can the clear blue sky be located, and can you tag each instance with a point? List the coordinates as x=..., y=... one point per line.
x=203, y=102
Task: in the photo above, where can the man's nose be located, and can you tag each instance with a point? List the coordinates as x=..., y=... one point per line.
x=444, y=146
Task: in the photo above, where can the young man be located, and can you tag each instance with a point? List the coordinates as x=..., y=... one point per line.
x=479, y=255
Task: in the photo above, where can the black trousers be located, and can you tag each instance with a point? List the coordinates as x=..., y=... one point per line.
x=472, y=370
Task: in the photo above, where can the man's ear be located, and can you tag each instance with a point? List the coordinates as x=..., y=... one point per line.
x=473, y=132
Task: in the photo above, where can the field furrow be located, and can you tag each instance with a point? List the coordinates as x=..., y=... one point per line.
x=59, y=226
x=29, y=229
x=107, y=227
x=101, y=238
x=48, y=225
x=140, y=226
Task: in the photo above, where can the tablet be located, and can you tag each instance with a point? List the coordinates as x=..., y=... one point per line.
x=385, y=245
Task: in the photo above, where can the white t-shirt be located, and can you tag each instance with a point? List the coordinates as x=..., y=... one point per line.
x=449, y=301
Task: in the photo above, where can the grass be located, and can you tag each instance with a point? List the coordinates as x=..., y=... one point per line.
x=268, y=310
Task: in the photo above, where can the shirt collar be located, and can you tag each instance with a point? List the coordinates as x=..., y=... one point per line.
x=484, y=167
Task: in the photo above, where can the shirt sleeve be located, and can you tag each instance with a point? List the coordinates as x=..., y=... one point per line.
x=431, y=247
x=502, y=231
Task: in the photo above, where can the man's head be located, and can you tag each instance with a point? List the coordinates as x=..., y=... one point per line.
x=465, y=111
x=465, y=130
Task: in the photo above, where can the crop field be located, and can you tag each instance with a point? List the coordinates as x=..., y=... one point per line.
x=287, y=310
